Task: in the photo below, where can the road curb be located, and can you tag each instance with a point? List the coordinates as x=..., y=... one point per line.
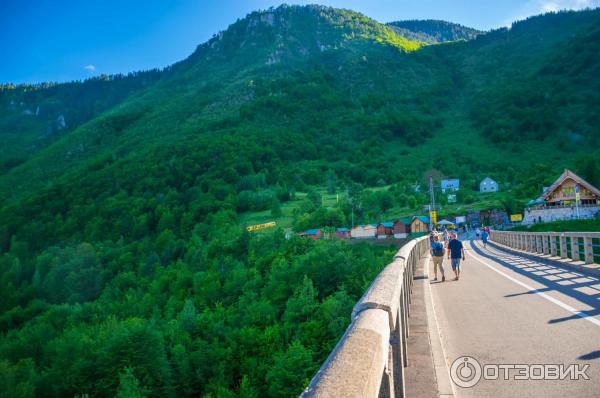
x=550, y=261
x=442, y=372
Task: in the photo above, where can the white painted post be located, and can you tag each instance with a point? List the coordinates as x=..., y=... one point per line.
x=553, y=250
x=545, y=244
x=521, y=242
x=588, y=250
x=574, y=248
x=563, y=246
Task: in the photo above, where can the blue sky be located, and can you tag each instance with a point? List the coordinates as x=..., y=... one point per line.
x=62, y=40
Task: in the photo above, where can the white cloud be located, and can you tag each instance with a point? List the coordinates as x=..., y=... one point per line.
x=90, y=68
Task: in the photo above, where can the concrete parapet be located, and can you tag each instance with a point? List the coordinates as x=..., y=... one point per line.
x=384, y=293
x=368, y=360
x=356, y=366
x=551, y=251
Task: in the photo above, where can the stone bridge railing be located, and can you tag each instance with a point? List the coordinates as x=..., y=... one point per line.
x=370, y=358
x=578, y=246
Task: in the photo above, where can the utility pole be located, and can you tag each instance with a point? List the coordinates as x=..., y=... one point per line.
x=432, y=212
x=577, y=197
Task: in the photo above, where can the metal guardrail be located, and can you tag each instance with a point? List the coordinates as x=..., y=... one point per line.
x=369, y=360
x=578, y=246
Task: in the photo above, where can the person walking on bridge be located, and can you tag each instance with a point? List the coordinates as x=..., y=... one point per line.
x=484, y=238
x=432, y=236
x=456, y=252
x=437, y=254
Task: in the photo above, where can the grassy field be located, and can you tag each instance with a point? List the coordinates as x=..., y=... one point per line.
x=260, y=217
x=287, y=210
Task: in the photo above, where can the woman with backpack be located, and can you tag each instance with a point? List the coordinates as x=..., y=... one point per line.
x=437, y=254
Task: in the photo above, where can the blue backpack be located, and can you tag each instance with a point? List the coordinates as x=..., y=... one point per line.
x=437, y=248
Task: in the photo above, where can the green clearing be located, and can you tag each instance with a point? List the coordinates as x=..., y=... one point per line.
x=260, y=217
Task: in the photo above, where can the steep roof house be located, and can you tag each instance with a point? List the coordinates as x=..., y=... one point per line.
x=488, y=185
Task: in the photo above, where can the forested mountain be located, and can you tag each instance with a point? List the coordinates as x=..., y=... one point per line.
x=125, y=267
x=432, y=31
x=34, y=116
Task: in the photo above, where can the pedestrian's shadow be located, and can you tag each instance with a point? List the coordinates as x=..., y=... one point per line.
x=590, y=356
x=446, y=281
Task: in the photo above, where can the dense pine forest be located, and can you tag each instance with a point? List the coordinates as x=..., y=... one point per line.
x=125, y=266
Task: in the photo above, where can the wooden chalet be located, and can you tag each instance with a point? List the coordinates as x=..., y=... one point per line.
x=385, y=229
x=560, y=201
x=401, y=228
x=563, y=191
x=419, y=224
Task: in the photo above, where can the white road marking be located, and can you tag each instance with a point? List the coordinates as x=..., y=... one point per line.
x=567, y=307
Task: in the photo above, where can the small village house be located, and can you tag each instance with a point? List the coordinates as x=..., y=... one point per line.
x=313, y=234
x=488, y=185
x=419, y=224
x=364, y=231
x=342, y=233
x=569, y=197
x=401, y=228
x=450, y=185
x=385, y=230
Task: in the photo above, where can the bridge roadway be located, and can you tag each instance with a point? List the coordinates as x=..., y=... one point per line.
x=506, y=309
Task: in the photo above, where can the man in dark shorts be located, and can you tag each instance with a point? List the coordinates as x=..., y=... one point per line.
x=456, y=252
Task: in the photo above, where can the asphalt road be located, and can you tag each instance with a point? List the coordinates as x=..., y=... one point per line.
x=508, y=310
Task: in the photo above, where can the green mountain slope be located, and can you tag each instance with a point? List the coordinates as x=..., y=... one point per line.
x=121, y=239
x=557, y=97
x=433, y=31
x=219, y=84
x=34, y=116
